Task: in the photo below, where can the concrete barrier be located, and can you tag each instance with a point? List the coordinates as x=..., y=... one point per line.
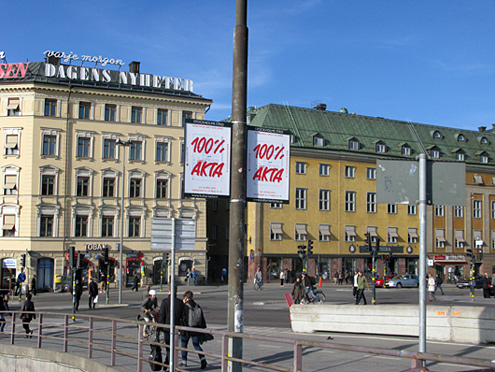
x=470, y=324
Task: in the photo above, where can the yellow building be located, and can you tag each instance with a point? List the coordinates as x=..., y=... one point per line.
x=333, y=199
x=65, y=130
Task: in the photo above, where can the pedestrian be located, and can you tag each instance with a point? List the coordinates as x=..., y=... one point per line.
x=135, y=283
x=27, y=306
x=438, y=283
x=192, y=317
x=485, y=282
x=362, y=284
x=224, y=275
x=309, y=286
x=33, y=285
x=92, y=294
x=347, y=276
x=148, y=308
x=298, y=291
x=3, y=307
x=431, y=288
x=341, y=278
x=78, y=294
x=164, y=317
x=103, y=282
x=18, y=284
x=355, y=284
x=282, y=278
x=194, y=275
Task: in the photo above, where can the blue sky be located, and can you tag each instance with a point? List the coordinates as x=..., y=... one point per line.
x=429, y=62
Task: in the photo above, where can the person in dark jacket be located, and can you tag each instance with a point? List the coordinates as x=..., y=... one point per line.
x=486, y=286
x=92, y=294
x=27, y=317
x=164, y=317
x=3, y=307
x=135, y=283
x=190, y=305
x=298, y=291
x=33, y=285
x=78, y=293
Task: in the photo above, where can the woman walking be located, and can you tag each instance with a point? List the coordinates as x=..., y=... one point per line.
x=431, y=288
x=27, y=317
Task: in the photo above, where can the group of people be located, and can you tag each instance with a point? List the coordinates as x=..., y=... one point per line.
x=186, y=313
x=486, y=283
x=304, y=286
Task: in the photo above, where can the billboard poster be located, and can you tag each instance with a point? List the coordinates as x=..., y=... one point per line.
x=207, y=158
x=268, y=165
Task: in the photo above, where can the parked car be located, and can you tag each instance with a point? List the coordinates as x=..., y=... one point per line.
x=408, y=280
x=466, y=283
x=381, y=281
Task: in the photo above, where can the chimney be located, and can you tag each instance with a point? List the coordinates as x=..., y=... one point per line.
x=481, y=129
x=134, y=67
x=53, y=60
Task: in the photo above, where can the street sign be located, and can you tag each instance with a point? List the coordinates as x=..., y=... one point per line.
x=161, y=233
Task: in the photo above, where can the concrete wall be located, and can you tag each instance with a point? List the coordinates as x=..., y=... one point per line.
x=21, y=359
x=444, y=323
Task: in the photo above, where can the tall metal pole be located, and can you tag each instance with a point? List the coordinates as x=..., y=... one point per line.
x=422, y=253
x=238, y=182
x=121, y=244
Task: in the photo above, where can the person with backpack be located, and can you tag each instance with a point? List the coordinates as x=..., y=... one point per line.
x=192, y=317
x=309, y=286
x=438, y=284
x=164, y=317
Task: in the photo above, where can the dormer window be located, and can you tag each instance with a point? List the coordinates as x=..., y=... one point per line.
x=461, y=138
x=405, y=150
x=380, y=147
x=483, y=141
x=353, y=144
x=435, y=154
x=460, y=156
x=436, y=135
x=318, y=141
x=484, y=159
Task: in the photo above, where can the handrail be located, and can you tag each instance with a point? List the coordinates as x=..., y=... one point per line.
x=58, y=329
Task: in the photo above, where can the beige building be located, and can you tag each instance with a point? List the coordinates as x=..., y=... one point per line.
x=62, y=169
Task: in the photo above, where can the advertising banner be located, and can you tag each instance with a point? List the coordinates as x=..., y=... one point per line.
x=207, y=158
x=268, y=165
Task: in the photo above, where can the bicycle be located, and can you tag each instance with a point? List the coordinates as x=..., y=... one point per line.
x=258, y=284
x=309, y=299
x=149, y=330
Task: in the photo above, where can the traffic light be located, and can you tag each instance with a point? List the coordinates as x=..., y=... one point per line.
x=310, y=247
x=377, y=247
x=301, y=250
x=367, y=240
x=469, y=253
x=23, y=260
x=105, y=255
x=72, y=256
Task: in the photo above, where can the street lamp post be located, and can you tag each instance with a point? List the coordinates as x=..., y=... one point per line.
x=124, y=144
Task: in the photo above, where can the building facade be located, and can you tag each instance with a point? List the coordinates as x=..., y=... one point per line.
x=73, y=138
x=333, y=199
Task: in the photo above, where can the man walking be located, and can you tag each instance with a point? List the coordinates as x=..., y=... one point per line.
x=92, y=294
x=486, y=285
x=309, y=283
x=362, y=284
x=438, y=284
x=192, y=317
x=355, y=285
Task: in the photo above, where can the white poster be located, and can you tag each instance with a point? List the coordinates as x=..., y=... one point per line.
x=268, y=165
x=207, y=158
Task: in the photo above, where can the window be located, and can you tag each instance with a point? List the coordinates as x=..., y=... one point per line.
x=12, y=144
x=276, y=231
x=372, y=230
x=83, y=147
x=135, y=150
x=13, y=107
x=50, y=107
x=109, y=148
x=324, y=200
x=484, y=141
x=110, y=112
x=439, y=211
x=435, y=154
x=324, y=170
x=161, y=189
x=371, y=202
x=134, y=226
x=300, y=198
x=84, y=110
x=459, y=239
x=439, y=238
x=484, y=159
x=135, y=187
x=493, y=209
x=46, y=226
x=9, y=225
x=476, y=208
x=350, y=233
x=392, y=208
x=82, y=186
x=460, y=156
x=276, y=205
x=10, y=184
x=371, y=173
x=392, y=235
x=461, y=138
x=107, y=226
x=161, y=151
x=161, y=117
x=49, y=145
x=412, y=235
x=411, y=209
x=318, y=141
x=458, y=211
x=380, y=147
x=186, y=115
x=324, y=233
x=349, y=171
x=350, y=201
x=136, y=114
x=81, y=226
x=300, y=233
x=300, y=167
x=437, y=135
x=353, y=145
x=405, y=150
x=182, y=152
x=108, y=187
x=214, y=232
x=47, y=185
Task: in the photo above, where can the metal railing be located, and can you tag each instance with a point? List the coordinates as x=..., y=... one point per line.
x=108, y=338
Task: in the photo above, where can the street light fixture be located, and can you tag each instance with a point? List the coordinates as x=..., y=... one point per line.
x=124, y=144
